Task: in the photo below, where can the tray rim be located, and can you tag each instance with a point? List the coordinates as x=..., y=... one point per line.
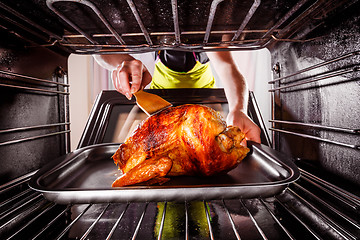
x=118, y=192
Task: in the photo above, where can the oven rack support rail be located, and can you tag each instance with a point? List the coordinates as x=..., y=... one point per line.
x=41, y=86
x=293, y=81
x=311, y=208
x=282, y=29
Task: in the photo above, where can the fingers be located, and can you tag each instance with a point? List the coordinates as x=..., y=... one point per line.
x=136, y=69
x=246, y=125
x=120, y=79
x=146, y=79
x=253, y=134
x=123, y=79
x=130, y=77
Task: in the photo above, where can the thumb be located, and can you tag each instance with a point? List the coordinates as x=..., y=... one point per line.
x=253, y=134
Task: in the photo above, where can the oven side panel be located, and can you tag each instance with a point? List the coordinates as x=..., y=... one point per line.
x=34, y=125
x=324, y=96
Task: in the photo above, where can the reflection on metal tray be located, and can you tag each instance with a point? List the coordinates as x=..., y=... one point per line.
x=85, y=176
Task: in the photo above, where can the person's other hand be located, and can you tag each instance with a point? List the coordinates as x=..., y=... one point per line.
x=130, y=77
x=246, y=125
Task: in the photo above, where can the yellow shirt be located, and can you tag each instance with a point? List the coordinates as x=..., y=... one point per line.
x=200, y=76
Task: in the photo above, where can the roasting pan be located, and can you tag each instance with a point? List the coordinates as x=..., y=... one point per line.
x=85, y=176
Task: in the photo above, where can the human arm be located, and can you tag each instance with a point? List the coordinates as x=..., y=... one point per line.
x=236, y=91
x=128, y=74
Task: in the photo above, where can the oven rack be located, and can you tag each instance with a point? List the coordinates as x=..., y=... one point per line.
x=310, y=208
x=149, y=45
x=242, y=37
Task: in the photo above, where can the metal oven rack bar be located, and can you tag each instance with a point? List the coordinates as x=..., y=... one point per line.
x=213, y=7
x=330, y=128
x=345, y=56
x=34, y=137
x=33, y=89
x=305, y=204
x=174, y=8
x=284, y=18
x=21, y=77
x=339, y=129
x=30, y=22
x=39, y=80
x=246, y=20
x=22, y=26
x=92, y=6
x=318, y=78
x=353, y=146
x=33, y=33
x=139, y=21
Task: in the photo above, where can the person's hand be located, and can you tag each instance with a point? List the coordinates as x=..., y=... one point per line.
x=246, y=125
x=130, y=77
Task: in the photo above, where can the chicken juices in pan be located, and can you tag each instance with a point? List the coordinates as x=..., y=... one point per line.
x=191, y=140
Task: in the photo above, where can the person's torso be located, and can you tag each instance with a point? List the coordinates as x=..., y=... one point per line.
x=180, y=69
x=181, y=61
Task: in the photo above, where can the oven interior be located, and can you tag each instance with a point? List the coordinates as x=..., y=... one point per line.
x=314, y=48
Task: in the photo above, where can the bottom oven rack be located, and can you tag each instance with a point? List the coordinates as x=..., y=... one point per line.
x=310, y=208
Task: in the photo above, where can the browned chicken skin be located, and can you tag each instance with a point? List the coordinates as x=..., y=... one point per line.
x=184, y=140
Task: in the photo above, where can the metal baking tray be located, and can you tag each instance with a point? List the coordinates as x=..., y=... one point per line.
x=86, y=175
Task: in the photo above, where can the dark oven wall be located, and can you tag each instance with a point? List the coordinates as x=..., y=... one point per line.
x=33, y=106
x=316, y=82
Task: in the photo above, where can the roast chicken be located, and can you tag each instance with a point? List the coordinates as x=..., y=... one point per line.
x=189, y=140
